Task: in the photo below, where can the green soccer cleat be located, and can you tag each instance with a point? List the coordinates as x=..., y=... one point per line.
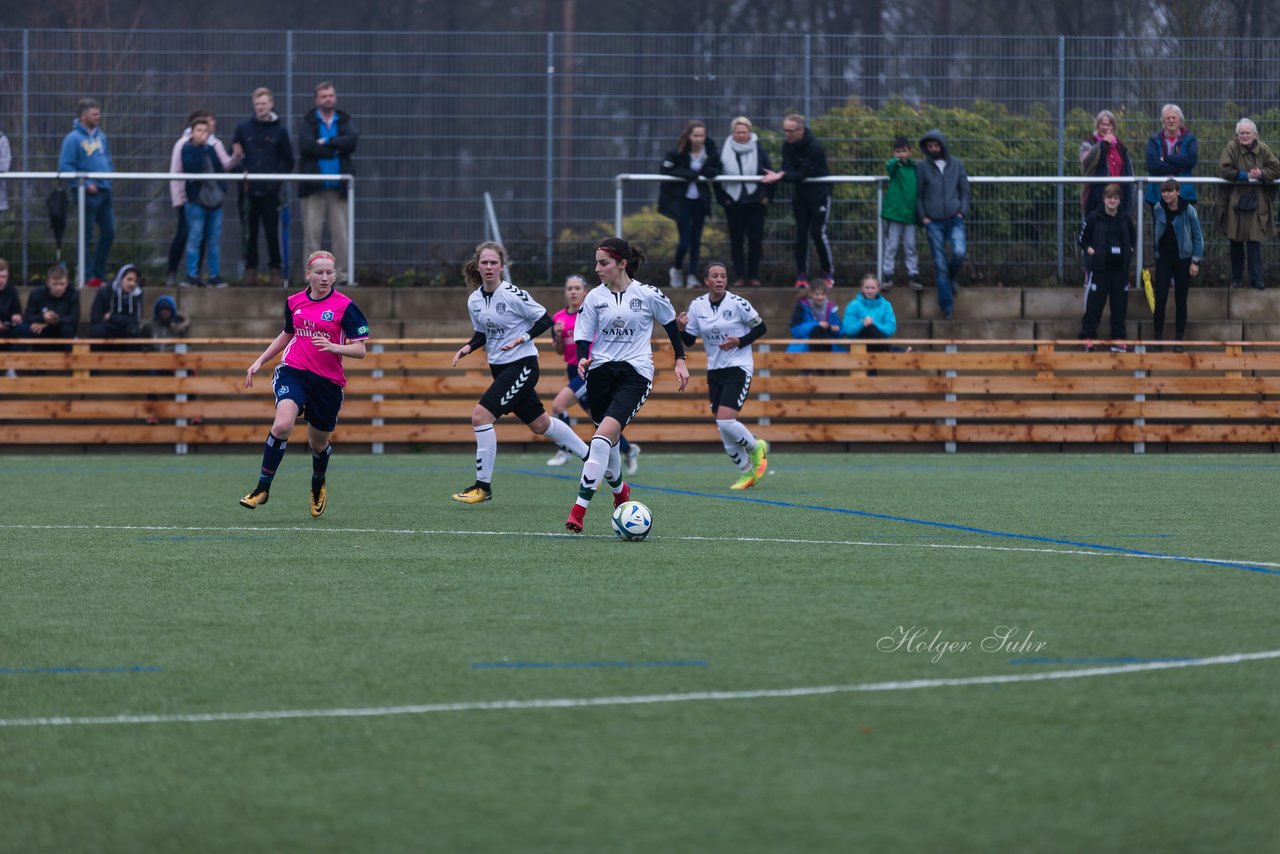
x=256, y=498
x=319, y=500
x=747, y=481
x=472, y=495
x=759, y=459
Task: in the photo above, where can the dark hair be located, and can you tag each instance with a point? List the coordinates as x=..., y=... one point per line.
x=201, y=113
x=1169, y=184
x=682, y=143
x=901, y=142
x=623, y=251
x=199, y=120
x=57, y=271
x=86, y=104
x=706, y=268
x=471, y=269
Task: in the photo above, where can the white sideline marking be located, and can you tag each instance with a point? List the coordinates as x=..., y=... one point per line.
x=640, y=699
x=240, y=529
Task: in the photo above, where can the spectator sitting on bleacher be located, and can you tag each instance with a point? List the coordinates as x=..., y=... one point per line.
x=117, y=311
x=815, y=317
x=869, y=315
x=53, y=309
x=166, y=322
x=11, y=323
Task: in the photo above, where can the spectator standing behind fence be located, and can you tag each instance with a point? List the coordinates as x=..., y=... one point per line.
x=803, y=157
x=326, y=142
x=1172, y=151
x=6, y=160
x=744, y=201
x=1108, y=241
x=204, y=205
x=85, y=149
x=869, y=315
x=899, y=214
x=942, y=203
x=117, y=310
x=695, y=156
x=178, y=192
x=53, y=309
x=263, y=142
x=1247, y=217
x=815, y=318
x=1102, y=154
x=1179, y=246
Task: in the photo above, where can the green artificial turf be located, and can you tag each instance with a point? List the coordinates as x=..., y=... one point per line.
x=171, y=600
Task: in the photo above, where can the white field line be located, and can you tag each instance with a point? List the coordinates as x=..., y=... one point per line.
x=639, y=699
x=240, y=529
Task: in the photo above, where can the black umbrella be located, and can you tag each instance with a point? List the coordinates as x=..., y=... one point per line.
x=57, y=204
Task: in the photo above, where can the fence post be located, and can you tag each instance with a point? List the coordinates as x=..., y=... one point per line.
x=289, y=187
x=1062, y=132
x=880, y=232
x=550, y=166
x=808, y=73
x=1138, y=189
x=378, y=447
x=950, y=398
x=617, y=206
x=351, y=231
x=24, y=188
x=181, y=447
x=80, y=229
x=1140, y=446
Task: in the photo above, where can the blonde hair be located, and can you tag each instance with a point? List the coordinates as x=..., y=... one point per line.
x=316, y=256
x=262, y=90
x=740, y=120
x=471, y=269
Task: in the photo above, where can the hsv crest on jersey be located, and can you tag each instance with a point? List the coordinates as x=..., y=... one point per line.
x=327, y=315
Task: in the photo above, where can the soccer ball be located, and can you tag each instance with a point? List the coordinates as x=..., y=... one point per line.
x=632, y=520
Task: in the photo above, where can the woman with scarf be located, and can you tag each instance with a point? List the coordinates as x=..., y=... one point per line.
x=1246, y=217
x=1102, y=154
x=744, y=202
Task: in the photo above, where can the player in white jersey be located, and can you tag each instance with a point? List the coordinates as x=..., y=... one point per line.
x=728, y=324
x=613, y=335
x=506, y=320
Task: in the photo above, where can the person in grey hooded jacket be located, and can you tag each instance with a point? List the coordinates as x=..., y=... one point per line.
x=117, y=311
x=942, y=201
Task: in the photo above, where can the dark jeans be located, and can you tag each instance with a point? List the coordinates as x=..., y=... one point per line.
x=692, y=217
x=97, y=211
x=264, y=210
x=1255, y=262
x=944, y=270
x=1104, y=286
x=746, y=225
x=1179, y=270
x=873, y=332
x=178, y=247
x=811, y=224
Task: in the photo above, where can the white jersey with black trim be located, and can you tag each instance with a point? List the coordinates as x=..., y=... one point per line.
x=732, y=317
x=504, y=316
x=620, y=325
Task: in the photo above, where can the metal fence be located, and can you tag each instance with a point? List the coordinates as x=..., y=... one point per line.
x=544, y=121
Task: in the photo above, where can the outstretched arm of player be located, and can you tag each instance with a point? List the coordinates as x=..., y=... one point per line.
x=273, y=350
x=677, y=344
x=476, y=342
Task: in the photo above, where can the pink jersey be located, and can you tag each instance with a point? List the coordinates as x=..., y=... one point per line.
x=335, y=317
x=570, y=348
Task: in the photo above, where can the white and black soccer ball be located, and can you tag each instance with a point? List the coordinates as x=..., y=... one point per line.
x=632, y=520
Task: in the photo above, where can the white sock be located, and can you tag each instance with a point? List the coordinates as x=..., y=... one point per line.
x=738, y=442
x=567, y=440
x=593, y=468
x=613, y=471
x=486, y=452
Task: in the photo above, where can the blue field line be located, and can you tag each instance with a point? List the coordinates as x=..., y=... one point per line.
x=1128, y=659
x=547, y=665
x=131, y=668
x=946, y=526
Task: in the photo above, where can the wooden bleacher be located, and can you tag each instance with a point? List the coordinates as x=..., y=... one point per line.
x=944, y=393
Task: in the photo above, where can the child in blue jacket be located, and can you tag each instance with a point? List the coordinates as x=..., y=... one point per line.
x=869, y=315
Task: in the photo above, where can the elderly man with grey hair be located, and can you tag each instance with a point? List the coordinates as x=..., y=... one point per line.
x=1247, y=214
x=1172, y=152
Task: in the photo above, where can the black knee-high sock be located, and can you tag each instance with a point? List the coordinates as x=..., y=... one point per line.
x=272, y=454
x=320, y=464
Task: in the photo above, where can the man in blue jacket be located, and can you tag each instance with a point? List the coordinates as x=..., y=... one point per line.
x=264, y=142
x=325, y=144
x=85, y=150
x=942, y=198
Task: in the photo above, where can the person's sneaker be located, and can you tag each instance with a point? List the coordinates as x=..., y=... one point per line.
x=1119, y=348
x=1088, y=346
x=829, y=279
x=676, y=277
x=1177, y=348
x=319, y=500
x=760, y=458
x=622, y=495
x=250, y=279
x=747, y=481
x=887, y=284
x=1259, y=286
x=691, y=281
x=577, y=517
x=188, y=283
x=633, y=458
x=217, y=282
x=559, y=459
x=949, y=314
x=473, y=495
x=171, y=280
x=277, y=279
x=256, y=498
x=802, y=282
x=93, y=283
x=916, y=286
x=1235, y=285
x=754, y=283
x=739, y=283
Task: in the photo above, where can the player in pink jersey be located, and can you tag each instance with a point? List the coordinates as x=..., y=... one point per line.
x=320, y=327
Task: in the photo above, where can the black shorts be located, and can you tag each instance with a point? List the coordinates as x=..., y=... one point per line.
x=728, y=387
x=616, y=390
x=514, y=389
x=318, y=399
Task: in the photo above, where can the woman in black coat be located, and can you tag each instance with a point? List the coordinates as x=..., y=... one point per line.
x=688, y=202
x=744, y=202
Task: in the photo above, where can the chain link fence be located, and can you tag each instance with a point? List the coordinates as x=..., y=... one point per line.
x=543, y=121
